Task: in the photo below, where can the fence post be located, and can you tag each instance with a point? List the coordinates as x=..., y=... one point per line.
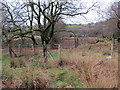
x=75, y=38
x=33, y=48
x=77, y=41
x=10, y=53
x=59, y=51
x=112, y=45
x=20, y=49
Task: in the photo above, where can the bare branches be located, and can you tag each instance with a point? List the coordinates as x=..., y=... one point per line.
x=45, y=13
x=73, y=11
x=7, y=7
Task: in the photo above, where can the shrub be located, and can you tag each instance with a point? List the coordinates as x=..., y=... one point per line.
x=103, y=40
x=25, y=78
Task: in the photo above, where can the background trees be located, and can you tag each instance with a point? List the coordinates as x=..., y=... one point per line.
x=112, y=20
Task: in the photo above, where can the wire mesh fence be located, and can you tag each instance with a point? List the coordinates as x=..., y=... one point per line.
x=25, y=50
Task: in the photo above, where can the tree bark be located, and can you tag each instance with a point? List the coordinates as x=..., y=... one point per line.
x=44, y=44
x=23, y=40
x=11, y=50
x=45, y=52
x=10, y=53
x=34, y=41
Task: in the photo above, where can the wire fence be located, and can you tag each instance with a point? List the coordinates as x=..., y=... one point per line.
x=25, y=50
x=29, y=51
x=37, y=50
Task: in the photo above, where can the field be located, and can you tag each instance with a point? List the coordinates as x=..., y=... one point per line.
x=75, y=26
x=83, y=67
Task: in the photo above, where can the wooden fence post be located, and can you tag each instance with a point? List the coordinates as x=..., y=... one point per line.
x=59, y=51
x=19, y=50
x=33, y=48
x=112, y=45
x=77, y=41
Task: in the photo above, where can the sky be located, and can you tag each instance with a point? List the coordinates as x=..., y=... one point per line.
x=90, y=17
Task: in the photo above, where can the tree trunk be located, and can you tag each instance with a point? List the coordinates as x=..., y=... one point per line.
x=23, y=40
x=10, y=52
x=34, y=41
x=118, y=39
x=52, y=46
x=45, y=52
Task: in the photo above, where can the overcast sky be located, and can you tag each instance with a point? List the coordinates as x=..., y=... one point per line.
x=92, y=16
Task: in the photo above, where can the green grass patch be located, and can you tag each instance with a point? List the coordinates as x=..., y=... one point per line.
x=5, y=61
x=75, y=26
x=40, y=64
x=0, y=62
x=64, y=78
x=10, y=73
x=5, y=58
x=36, y=58
x=37, y=64
x=54, y=55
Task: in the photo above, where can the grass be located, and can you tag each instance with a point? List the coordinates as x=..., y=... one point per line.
x=75, y=26
x=83, y=67
x=64, y=78
x=92, y=67
x=41, y=64
x=29, y=76
x=54, y=55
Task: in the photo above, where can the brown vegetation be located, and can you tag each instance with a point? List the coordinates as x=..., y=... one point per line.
x=94, y=69
x=88, y=61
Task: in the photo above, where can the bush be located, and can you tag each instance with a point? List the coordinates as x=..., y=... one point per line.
x=25, y=78
x=103, y=40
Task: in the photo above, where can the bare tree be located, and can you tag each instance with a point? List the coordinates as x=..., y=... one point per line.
x=114, y=15
x=108, y=27
x=51, y=12
x=11, y=21
x=44, y=14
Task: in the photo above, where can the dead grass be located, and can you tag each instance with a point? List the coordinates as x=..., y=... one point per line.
x=26, y=76
x=88, y=61
x=30, y=78
x=95, y=71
